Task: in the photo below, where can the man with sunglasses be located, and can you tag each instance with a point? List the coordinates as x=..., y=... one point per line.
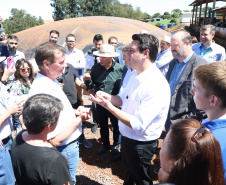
x=9, y=48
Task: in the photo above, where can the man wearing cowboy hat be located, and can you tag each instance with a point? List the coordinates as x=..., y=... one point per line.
x=106, y=76
x=165, y=55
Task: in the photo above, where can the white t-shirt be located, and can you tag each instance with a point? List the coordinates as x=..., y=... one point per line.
x=43, y=84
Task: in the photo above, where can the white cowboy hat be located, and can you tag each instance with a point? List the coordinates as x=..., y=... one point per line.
x=166, y=39
x=2, y=59
x=106, y=50
x=143, y=32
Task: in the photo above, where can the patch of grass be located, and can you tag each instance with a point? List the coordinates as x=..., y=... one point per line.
x=163, y=22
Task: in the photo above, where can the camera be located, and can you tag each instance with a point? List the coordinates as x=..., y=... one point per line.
x=60, y=79
x=92, y=50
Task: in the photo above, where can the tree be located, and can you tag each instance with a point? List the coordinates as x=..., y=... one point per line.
x=175, y=15
x=146, y=15
x=166, y=15
x=20, y=20
x=204, y=9
x=173, y=20
x=177, y=11
x=186, y=11
x=60, y=9
x=156, y=15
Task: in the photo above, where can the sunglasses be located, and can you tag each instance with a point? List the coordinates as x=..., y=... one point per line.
x=24, y=69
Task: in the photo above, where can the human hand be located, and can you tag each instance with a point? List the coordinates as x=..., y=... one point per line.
x=4, y=39
x=61, y=85
x=104, y=95
x=15, y=107
x=84, y=113
x=101, y=101
x=9, y=71
x=86, y=77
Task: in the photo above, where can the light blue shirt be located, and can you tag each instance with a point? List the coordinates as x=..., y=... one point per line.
x=215, y=53
x=120, y=57
x=163, y=60
x=177, y=71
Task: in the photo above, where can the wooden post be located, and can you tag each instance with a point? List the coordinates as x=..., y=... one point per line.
x=193, y=16
x=196, y=15
x=214, y=2
x=200, y=15
x=205, y=12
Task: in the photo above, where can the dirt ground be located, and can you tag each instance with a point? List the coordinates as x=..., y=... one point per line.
x=94, y=169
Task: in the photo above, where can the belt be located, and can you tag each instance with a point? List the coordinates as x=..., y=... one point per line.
x=6, y=139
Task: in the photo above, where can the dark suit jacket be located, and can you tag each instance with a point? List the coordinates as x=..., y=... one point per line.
x=182, y=104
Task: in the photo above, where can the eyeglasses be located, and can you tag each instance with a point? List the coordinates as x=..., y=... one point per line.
x=70, y=41
x=24, y=69
x=199, y=133
x=13, y=43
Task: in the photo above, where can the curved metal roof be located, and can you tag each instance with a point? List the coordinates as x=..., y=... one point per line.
x=84, y=29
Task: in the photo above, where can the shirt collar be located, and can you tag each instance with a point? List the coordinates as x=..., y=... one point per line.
x=73, y=51
x=142, y=76
x=162, y=52
x=186, y=59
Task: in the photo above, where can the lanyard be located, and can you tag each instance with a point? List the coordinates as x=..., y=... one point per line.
x=203, y=54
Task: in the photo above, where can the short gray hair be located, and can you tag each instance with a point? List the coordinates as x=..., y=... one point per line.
x=212, y=28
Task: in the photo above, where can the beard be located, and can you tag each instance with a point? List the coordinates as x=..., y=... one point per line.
x=12, y=50
x=181, y=53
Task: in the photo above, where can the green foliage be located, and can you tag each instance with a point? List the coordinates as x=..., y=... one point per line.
x=177, y=11
x=75, y=8
x=157, y=15
x=186, y=11
x=175, y=15
x=157, y=24
x=163, y=22
x=20, y=20
x=174, y=20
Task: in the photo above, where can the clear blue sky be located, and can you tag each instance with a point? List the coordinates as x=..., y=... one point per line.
x=42, y=7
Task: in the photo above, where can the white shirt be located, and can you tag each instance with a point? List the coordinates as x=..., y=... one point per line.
x=5, y=101
x=215, y=53
x=129, y=73
x=163, y=60
x=90, y=61
x=77, y=59
x=43, y=84
x=146, y=98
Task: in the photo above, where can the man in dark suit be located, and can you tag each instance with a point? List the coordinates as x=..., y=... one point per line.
x=180, y=78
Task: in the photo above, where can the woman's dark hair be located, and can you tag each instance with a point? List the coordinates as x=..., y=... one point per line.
x=17, y=74
x=198, y=160
x=40, y=110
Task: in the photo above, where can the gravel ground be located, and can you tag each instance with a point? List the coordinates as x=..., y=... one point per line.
x=96, y=169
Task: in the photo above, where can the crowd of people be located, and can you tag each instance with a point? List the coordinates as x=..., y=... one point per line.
x=147, y=86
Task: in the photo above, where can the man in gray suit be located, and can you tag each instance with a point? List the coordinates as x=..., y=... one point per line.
x=180, y=78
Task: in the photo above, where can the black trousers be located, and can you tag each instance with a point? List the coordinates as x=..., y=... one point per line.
x=103, y=115
x=137, y=157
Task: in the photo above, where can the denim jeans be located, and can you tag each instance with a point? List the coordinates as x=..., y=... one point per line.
x=71, y=152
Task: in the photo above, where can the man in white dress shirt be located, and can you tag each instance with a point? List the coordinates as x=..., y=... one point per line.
x=145, y=103
x=165, y=55
x=76, y=58
x=50, y=58
x=207, y=48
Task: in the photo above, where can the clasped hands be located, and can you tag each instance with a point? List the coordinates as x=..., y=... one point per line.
x=83, y=112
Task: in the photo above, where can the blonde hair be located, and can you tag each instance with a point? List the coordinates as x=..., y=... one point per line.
x=212, y=77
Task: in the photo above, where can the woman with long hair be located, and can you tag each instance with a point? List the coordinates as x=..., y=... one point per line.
x=191, y=155
x=20, y=86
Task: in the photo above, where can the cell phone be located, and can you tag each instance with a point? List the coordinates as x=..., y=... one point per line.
x=10, y=62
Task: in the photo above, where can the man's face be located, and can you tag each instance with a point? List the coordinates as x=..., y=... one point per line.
x=199, y=95
x=12, y=43
x=56, y=69
x=126, y=58
x=105, y=61
x=135, y=57
x=71, y=42
x=113, y=42
x=97, y=43
x=206, y=36
x=164, y=45
x=53, y=37
x=178, y=48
